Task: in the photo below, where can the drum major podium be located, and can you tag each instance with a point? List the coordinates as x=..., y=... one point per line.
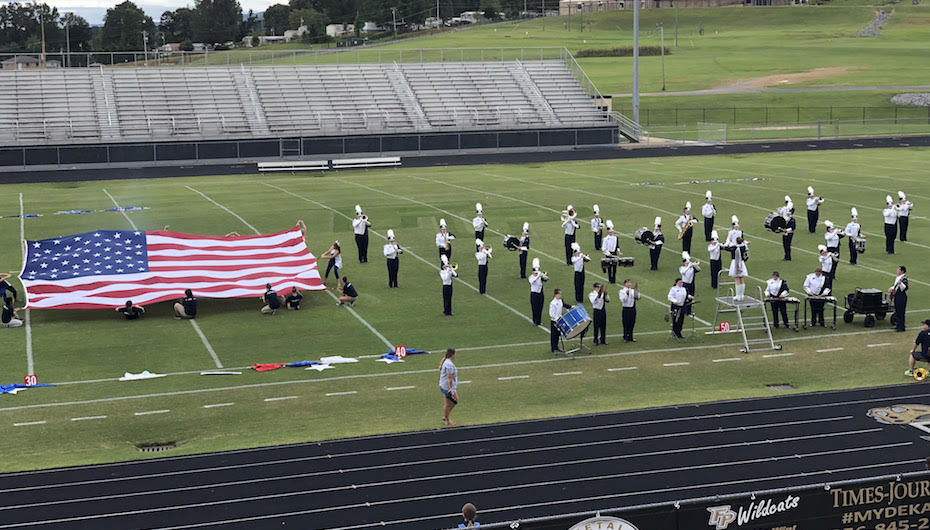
x=751, y=316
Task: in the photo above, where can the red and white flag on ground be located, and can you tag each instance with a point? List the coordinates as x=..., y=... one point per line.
x=105, y=268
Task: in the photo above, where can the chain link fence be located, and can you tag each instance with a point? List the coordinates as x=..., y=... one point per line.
x=765, y=115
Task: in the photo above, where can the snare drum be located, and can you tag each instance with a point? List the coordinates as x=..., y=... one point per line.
x=775, y=222
x=643, y=236
x=625, y=262
x=859, y=244
x=574, y=322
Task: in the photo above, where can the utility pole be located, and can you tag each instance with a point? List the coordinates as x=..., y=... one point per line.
x=544, y=15
x=394, y=18
x=676, y=24
x=662, y=51
x=636, y=61
x=42, y=26
x=581, y=10
x=68, y=39
x=145, y=47
x=438, y=18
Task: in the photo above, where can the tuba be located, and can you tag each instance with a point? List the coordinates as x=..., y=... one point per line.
x=568, y=214
x=454, y=266
x=920, y=374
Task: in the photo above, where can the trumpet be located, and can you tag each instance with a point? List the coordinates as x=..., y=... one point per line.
x=545, y=276
x=364, y=218
x=586, y=257
x=454, y=266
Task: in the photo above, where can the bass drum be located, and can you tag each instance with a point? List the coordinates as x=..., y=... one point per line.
x=511, y=242
x=643, y=236
x=775, y=222
x=574, y=322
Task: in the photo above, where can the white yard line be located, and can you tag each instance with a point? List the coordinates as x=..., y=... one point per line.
x=830, y=349
x=131, y=223
x=558, y=374
x=400, y=388
x=283, y=398
x=26, y=423
x=624, y=369
x=728, y=359
x=216, y=405
x=329, y=394
x=431, y=264
x=770, y=355
x=534, y=250
x=206, y=343
x=30, y=361
x=88, y=418
x=147, y=412
x=878, y=345
x=227, y=210
x=512, y=377
x=676, y=364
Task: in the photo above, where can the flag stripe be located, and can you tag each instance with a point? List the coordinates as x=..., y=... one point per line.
x=82, y=271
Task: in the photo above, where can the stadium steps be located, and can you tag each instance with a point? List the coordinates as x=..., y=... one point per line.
x=533, y=94
x=105, y=103
x=407, y=97
x=248, y=98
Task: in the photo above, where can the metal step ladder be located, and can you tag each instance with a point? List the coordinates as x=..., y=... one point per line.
x=751, y=317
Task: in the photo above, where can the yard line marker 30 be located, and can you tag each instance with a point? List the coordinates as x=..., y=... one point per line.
x=26, y=423
x=770, y=355
x=282, y=398
x=512, y=377
x=329, y=394
x=215, y=405
x=146, y=413
x=88, y=418
x=829, y=349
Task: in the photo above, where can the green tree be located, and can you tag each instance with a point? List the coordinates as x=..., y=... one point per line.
x=276, y=19
x=123, y=26
x=216, y=21
x=249, y=25
x=79, y=32
x=186, y=46
x=491, y=9
x=177, y=25
x=314, y=20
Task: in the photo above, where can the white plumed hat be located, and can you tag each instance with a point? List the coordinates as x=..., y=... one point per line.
x=526, y=228
x=734, y=220
x=854, y=213
x=901, y=195
x=685, y=256
x=888, y=199
x=787, y=199
x=708, y=195
x=658, y=221
x=479, y=243
x=597, y=210
x=610, y=224
x=358, y=210
x=789, y=206
x=570, y=207
x=478, y=207
x=688, y=205
x=442, y=223
x=821, y=248
x=535, y=264
x=810, y=190
x=828, y=224
x=714, y=235
x=390, y=234
x=445, y=259
x=576, y=247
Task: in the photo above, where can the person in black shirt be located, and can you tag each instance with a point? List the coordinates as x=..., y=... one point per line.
x=5, y=286
x=347, y=292
x=131, y=312
x=8, y=314
x=923, y=341
x=271, y=299
x=186, y=307
x=292, y=301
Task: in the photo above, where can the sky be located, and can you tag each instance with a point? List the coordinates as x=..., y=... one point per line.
x=94, y=10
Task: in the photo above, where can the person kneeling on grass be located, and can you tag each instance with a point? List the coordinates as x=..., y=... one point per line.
x=347, y=292
x=922, y=340
x=8, y=315
x=131, y=312
x=292, y=301
x=186, y=307
x=271, y=299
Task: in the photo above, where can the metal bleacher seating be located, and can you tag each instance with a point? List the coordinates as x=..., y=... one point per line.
x=81, y=105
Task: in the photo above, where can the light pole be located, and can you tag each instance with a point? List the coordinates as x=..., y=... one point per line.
x=581, y=10
x=636, y=61
x=68, y=39
x=662, y=51
x=42, y=27
x=394, y=19
x=145, y=48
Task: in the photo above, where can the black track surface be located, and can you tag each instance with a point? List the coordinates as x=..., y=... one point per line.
x=510, y=471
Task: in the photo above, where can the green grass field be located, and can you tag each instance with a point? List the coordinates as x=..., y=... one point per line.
x=90, y=349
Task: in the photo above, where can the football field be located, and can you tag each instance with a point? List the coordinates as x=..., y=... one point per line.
x=91, y=417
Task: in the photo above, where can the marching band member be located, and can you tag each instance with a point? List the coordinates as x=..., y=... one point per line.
x=738, y=269
x=569, y=225
x=446, y=273
x=777, y=288
x=827, y=265
x=679, y=297
x=597, y=226
x=555, y=313
x=687, y=276
x=334, y=255
x=832, y=240
x=709, y=211
x=479, y=223
x=853, y=230
x=578, y=260
x=482, y=255
x=655, y=247
x=891, y=224
x=813, y=209
x=360, y=226
x=599, y=298
x=789, y=206
x=444, y=241
x=788, y=233
x=392, y=253
x=611, y=247
x=685, y=228
x=716, y=263
x=523, y=249
x=898, y=291
x=734, y=233
x=904, y=208
x=536, y=280
x=814, y=286
x=628, y=297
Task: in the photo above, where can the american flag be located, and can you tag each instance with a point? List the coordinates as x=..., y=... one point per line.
x=105, y=268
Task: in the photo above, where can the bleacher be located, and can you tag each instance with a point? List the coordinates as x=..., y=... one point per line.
x=87, y=105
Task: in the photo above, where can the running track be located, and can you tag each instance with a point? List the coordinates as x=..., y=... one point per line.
x=510, y=471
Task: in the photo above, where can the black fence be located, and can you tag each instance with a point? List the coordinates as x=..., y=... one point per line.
x=892, y=502
x=765, y=115
x=248, y=150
